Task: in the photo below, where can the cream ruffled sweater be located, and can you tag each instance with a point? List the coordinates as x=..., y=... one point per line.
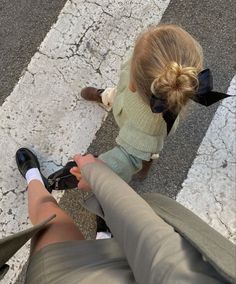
x=141, y=131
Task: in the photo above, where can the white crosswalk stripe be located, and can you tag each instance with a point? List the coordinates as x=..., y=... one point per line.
x=209, y=189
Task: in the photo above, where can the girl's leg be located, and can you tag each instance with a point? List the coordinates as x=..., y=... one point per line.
x=41, y=204
x=142, y=174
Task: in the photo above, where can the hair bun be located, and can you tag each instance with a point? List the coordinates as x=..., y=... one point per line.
x=176, y=84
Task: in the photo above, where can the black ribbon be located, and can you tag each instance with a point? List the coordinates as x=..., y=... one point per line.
x=204, y=96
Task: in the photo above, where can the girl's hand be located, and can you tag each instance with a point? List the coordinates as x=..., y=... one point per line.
x=82, y=161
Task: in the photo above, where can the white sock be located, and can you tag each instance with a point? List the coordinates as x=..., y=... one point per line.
x=33, y=174
x=103, y=235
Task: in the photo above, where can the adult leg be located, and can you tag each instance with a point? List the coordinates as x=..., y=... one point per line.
x=41, y=204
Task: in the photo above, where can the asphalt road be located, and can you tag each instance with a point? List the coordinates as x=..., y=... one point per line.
x=23, y=26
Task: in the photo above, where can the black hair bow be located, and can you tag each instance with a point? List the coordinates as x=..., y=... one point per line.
x=204, y=96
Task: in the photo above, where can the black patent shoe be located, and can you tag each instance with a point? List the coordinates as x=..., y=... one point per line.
x=27, y=160
x=63, y=179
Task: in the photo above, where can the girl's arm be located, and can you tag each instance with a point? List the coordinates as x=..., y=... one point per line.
x=121, y=162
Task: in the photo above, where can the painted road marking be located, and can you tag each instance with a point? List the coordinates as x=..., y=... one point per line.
x=45, y=111
x=209, y=190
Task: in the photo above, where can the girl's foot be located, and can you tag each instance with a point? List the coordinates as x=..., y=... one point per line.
x=92, y=94
x=29, y=167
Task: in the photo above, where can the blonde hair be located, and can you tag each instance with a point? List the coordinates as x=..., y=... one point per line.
x=166, y=61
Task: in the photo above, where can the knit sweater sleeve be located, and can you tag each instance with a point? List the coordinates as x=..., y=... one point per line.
x=124, y=75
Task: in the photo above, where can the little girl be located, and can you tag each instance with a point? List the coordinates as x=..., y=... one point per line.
x=155, y=83
x=162, y=75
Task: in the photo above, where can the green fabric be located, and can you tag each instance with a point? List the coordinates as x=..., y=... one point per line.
x=140, y=128
x=121, y=162
x=110, y=193
x=11, y=244
x=142, y=132
x=80, y=262
x=216, y=249
x=146, y=238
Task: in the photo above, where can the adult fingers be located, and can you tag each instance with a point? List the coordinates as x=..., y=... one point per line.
x=84, y=160
x=76, y=172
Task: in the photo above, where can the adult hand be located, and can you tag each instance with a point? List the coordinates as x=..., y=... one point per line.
x=82, y=161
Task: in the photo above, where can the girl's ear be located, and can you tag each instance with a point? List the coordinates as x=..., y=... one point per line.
x=132, y=87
